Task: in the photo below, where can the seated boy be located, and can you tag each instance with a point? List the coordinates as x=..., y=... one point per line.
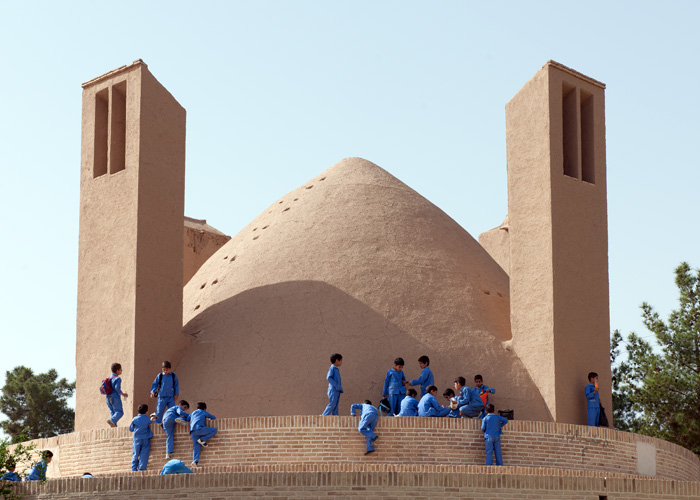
x=426, y=375
x=483, y=391
x=174, y=414
x=491, y=426
x=141, y=448
x=199, y=433
x=10, y=475
x=428, y=405
x=470, y=403
x=175, y=467
x=368, y=421
x=166, y=388
x=449, y=394
x=409, y=404
x=114, y=399
x=38, y=472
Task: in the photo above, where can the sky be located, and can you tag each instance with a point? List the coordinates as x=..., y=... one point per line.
x=278, y=91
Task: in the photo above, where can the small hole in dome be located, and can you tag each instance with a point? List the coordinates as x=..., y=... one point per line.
x=322, y=179
x=499, y=294
x=232, y=259
x=269, y=212
x=196, y=307
x=202, y=286
x=295, y=199
x=309, y=187
x=214, y=282
x=255, y=229
x=226, y=257
x=265, y=227
x=256, y=237
x=281, y=202
x=285, y=209
x=486, y=292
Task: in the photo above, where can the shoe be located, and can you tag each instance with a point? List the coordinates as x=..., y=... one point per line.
x=167, y=456
x=203, y=443
x=374, y=439
x=111, y=424
x=368, y=452
x=194, y=464
x=181, y=421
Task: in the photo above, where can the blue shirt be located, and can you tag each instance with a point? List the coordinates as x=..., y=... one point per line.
x=141, y=427
x=393, y=382
x=426, y=403
x=425, y=380
x=592, y=397
x=470, y=397
x=198, y=418
x=409, y=407
x=38, y=472
x=168, y=387
x=175, y=466
x=367, y=411
x=333, y=378
x=10, y=476
x=492, y=424
x=175, y=412
x=116, y=382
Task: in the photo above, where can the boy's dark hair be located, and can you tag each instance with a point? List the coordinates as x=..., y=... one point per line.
x=591, y=375
x=10, y=464
x=143, y=409
x=201, y=405
x=461, y=381
x=489, y=408
x=166, y=364
x=424, y=359
x=478, y=377
x=46, y=454
x=449, y=393
x=368, y=402
x=399, y=361
x=183, y=402
x=115, y=367
x=430, y=389
x=335, y=357
x=412, y=392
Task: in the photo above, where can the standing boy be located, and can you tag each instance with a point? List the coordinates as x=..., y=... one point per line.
x=368, y=421
x=174, y=414
x=334, y=387
x=428, y=405
x=426, y=375
x=394, y=386
x=166, y=388
x=141, y=427
x=409, y=404
x=593, y=400
x=470, y=404
x=199, y=433
x=38, y=472
x=491, y=426
x=483, y=391
x=114, y=399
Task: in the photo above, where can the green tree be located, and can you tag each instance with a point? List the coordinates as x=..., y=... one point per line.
x=36, y=405
x=663, y=385
x=13, y=456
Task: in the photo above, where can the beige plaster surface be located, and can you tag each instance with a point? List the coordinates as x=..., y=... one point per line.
x=201, y=241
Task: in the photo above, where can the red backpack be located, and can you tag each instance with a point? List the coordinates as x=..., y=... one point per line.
x=106, y=386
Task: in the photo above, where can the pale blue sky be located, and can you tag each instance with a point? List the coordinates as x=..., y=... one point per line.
x=277, y=92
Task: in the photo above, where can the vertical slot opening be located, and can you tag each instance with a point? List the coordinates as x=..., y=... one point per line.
x=117, y=143
x=587, y=141
x=101, y=128
x=570, y=130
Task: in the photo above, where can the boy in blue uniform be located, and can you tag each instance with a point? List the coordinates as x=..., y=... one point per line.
x=426, y=375
x=174, y=414
x=409, y=404
x=394, y=386
x=335, y=389
x=114, y=400
x=167, y=389
x=141, y=427
x=368, y=421
x=199, y=433
x=10, y=475
x=593, y=400
x=38, y=472
x=452, y=404
x=428, y=405
x=483, y=391
x=470, y=404
x=175, y=467
x=491, y=426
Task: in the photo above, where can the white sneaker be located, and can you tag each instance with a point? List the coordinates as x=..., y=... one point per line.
x=203, y=443
x=154, y=414
x=194, y=464
x=111, y=424
x=167, y=456
x=181, y=421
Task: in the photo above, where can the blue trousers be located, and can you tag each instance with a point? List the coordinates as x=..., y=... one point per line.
x=163, y=404
x=333, y=400
x=114, y=403
x=141, y=449
x=470, y=411
x=493, y=447
x=366, y=428
x=169, y=428
x=205, y=434
x=395, y=403
x=594, y=417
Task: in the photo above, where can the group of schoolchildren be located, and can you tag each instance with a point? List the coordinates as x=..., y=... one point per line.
x=400, y=402
x=166, y=390
x=36, y=473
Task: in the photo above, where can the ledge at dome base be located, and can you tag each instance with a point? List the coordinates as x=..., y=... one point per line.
x=244, y=443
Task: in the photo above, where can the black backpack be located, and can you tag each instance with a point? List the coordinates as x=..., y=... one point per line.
x=160, y=381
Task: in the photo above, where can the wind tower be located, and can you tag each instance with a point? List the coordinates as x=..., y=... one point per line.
x=130, y=267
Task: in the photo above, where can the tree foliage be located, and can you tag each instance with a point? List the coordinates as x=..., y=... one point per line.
x=36, y=405
x=662, y=385
x=18, y=456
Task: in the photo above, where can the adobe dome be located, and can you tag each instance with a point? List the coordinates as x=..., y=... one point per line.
x=355, y=262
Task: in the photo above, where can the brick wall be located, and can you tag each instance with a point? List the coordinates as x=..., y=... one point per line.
x=293, y=441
